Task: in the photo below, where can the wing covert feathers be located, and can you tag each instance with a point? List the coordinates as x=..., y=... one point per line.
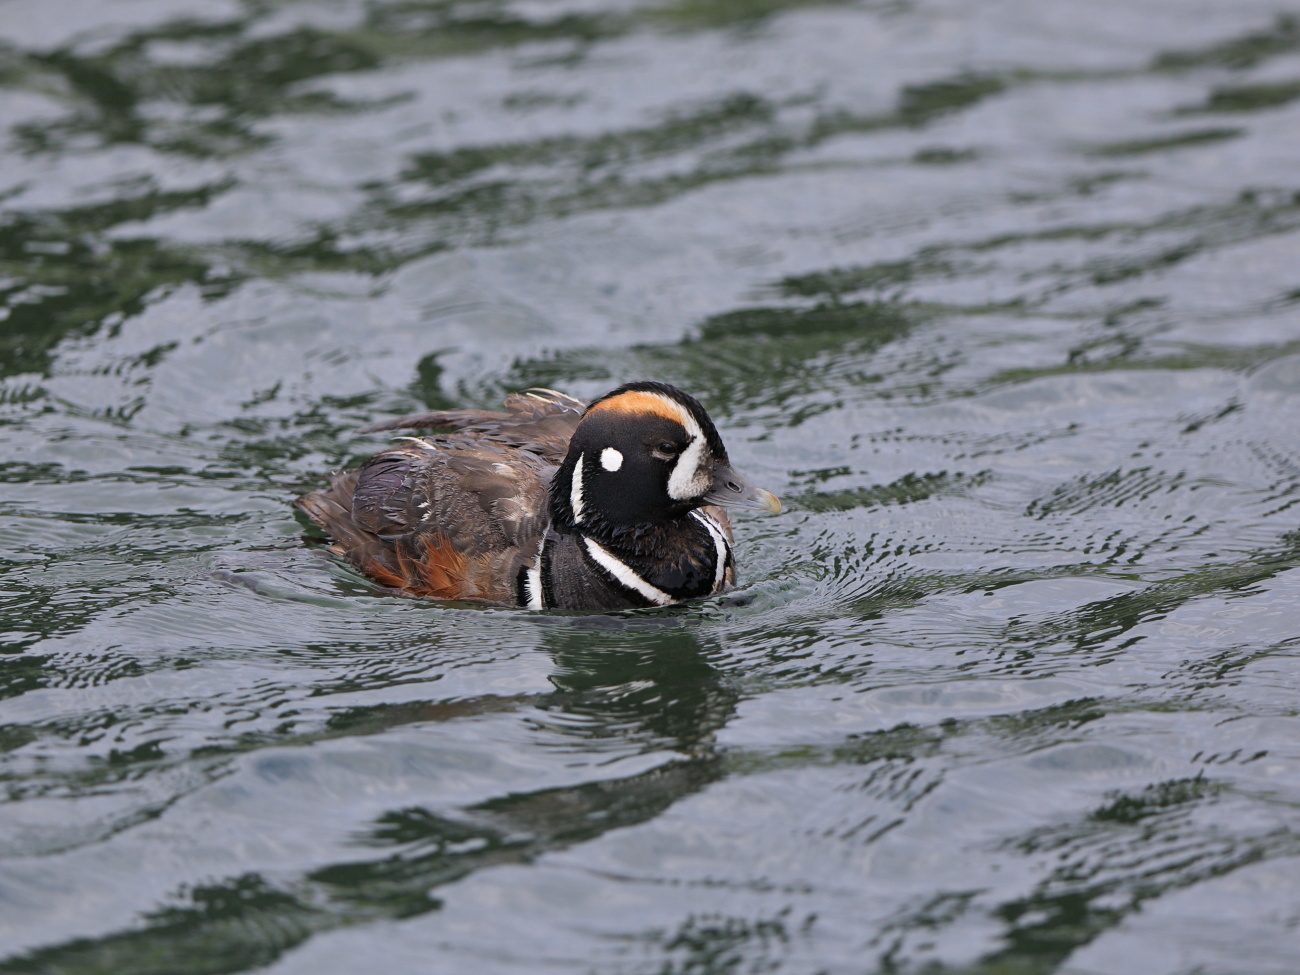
x=450, y=514
x=530, y=406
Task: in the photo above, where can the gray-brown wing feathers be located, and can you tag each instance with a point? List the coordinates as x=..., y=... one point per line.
x=453, y=490
x=541, y=421
x=332, y=510
x=480, y=498
x=460, y=488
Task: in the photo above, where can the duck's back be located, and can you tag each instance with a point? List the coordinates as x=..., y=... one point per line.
x=454, y=515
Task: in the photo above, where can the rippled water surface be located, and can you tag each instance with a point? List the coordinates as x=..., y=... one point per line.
x=1001, y=297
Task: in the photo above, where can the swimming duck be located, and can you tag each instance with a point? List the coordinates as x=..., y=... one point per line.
x=551, y=504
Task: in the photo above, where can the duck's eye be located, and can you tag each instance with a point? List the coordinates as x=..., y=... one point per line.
x=666, y=450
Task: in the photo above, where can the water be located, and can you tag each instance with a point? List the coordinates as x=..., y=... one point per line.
x=1001, y=299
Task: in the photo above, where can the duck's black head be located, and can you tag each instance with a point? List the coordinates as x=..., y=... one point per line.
x=645, y=454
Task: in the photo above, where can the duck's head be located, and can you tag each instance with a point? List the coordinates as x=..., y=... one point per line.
x=644, y=454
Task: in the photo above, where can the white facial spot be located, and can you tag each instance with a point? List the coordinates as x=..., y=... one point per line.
x=575, y=492
x=611, y=459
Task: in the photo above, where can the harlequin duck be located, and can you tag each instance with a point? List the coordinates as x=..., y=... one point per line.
x=548, y=505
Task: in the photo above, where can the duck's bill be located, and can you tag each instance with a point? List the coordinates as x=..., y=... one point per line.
x=733, y=491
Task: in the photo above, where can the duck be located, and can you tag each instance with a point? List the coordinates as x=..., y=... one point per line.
x=550, y=504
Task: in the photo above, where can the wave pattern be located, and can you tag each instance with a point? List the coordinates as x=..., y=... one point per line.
x=1007, y=319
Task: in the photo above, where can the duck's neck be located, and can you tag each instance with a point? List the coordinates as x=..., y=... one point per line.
x=572, y=513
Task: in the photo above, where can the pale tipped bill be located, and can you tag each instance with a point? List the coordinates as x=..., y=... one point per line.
x=733, y=491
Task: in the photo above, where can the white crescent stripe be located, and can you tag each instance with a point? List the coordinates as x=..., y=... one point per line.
x=575, y=492
x=720, y=544
x=623, y=572
x=687, y=480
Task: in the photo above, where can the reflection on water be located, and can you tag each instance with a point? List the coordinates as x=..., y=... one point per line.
x=654, y=691
x=1006, y=295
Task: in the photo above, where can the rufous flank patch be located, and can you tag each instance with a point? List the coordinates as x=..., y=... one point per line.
x=440, y=572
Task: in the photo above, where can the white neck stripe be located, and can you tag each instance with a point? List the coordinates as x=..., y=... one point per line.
x=624, y=574
x=720, y=546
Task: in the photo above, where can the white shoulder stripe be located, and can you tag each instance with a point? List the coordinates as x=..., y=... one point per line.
x=624, y=574
x=719, y=544
x=533, y=579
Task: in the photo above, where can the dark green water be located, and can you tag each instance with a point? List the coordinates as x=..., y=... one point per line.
x=1003, y=298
